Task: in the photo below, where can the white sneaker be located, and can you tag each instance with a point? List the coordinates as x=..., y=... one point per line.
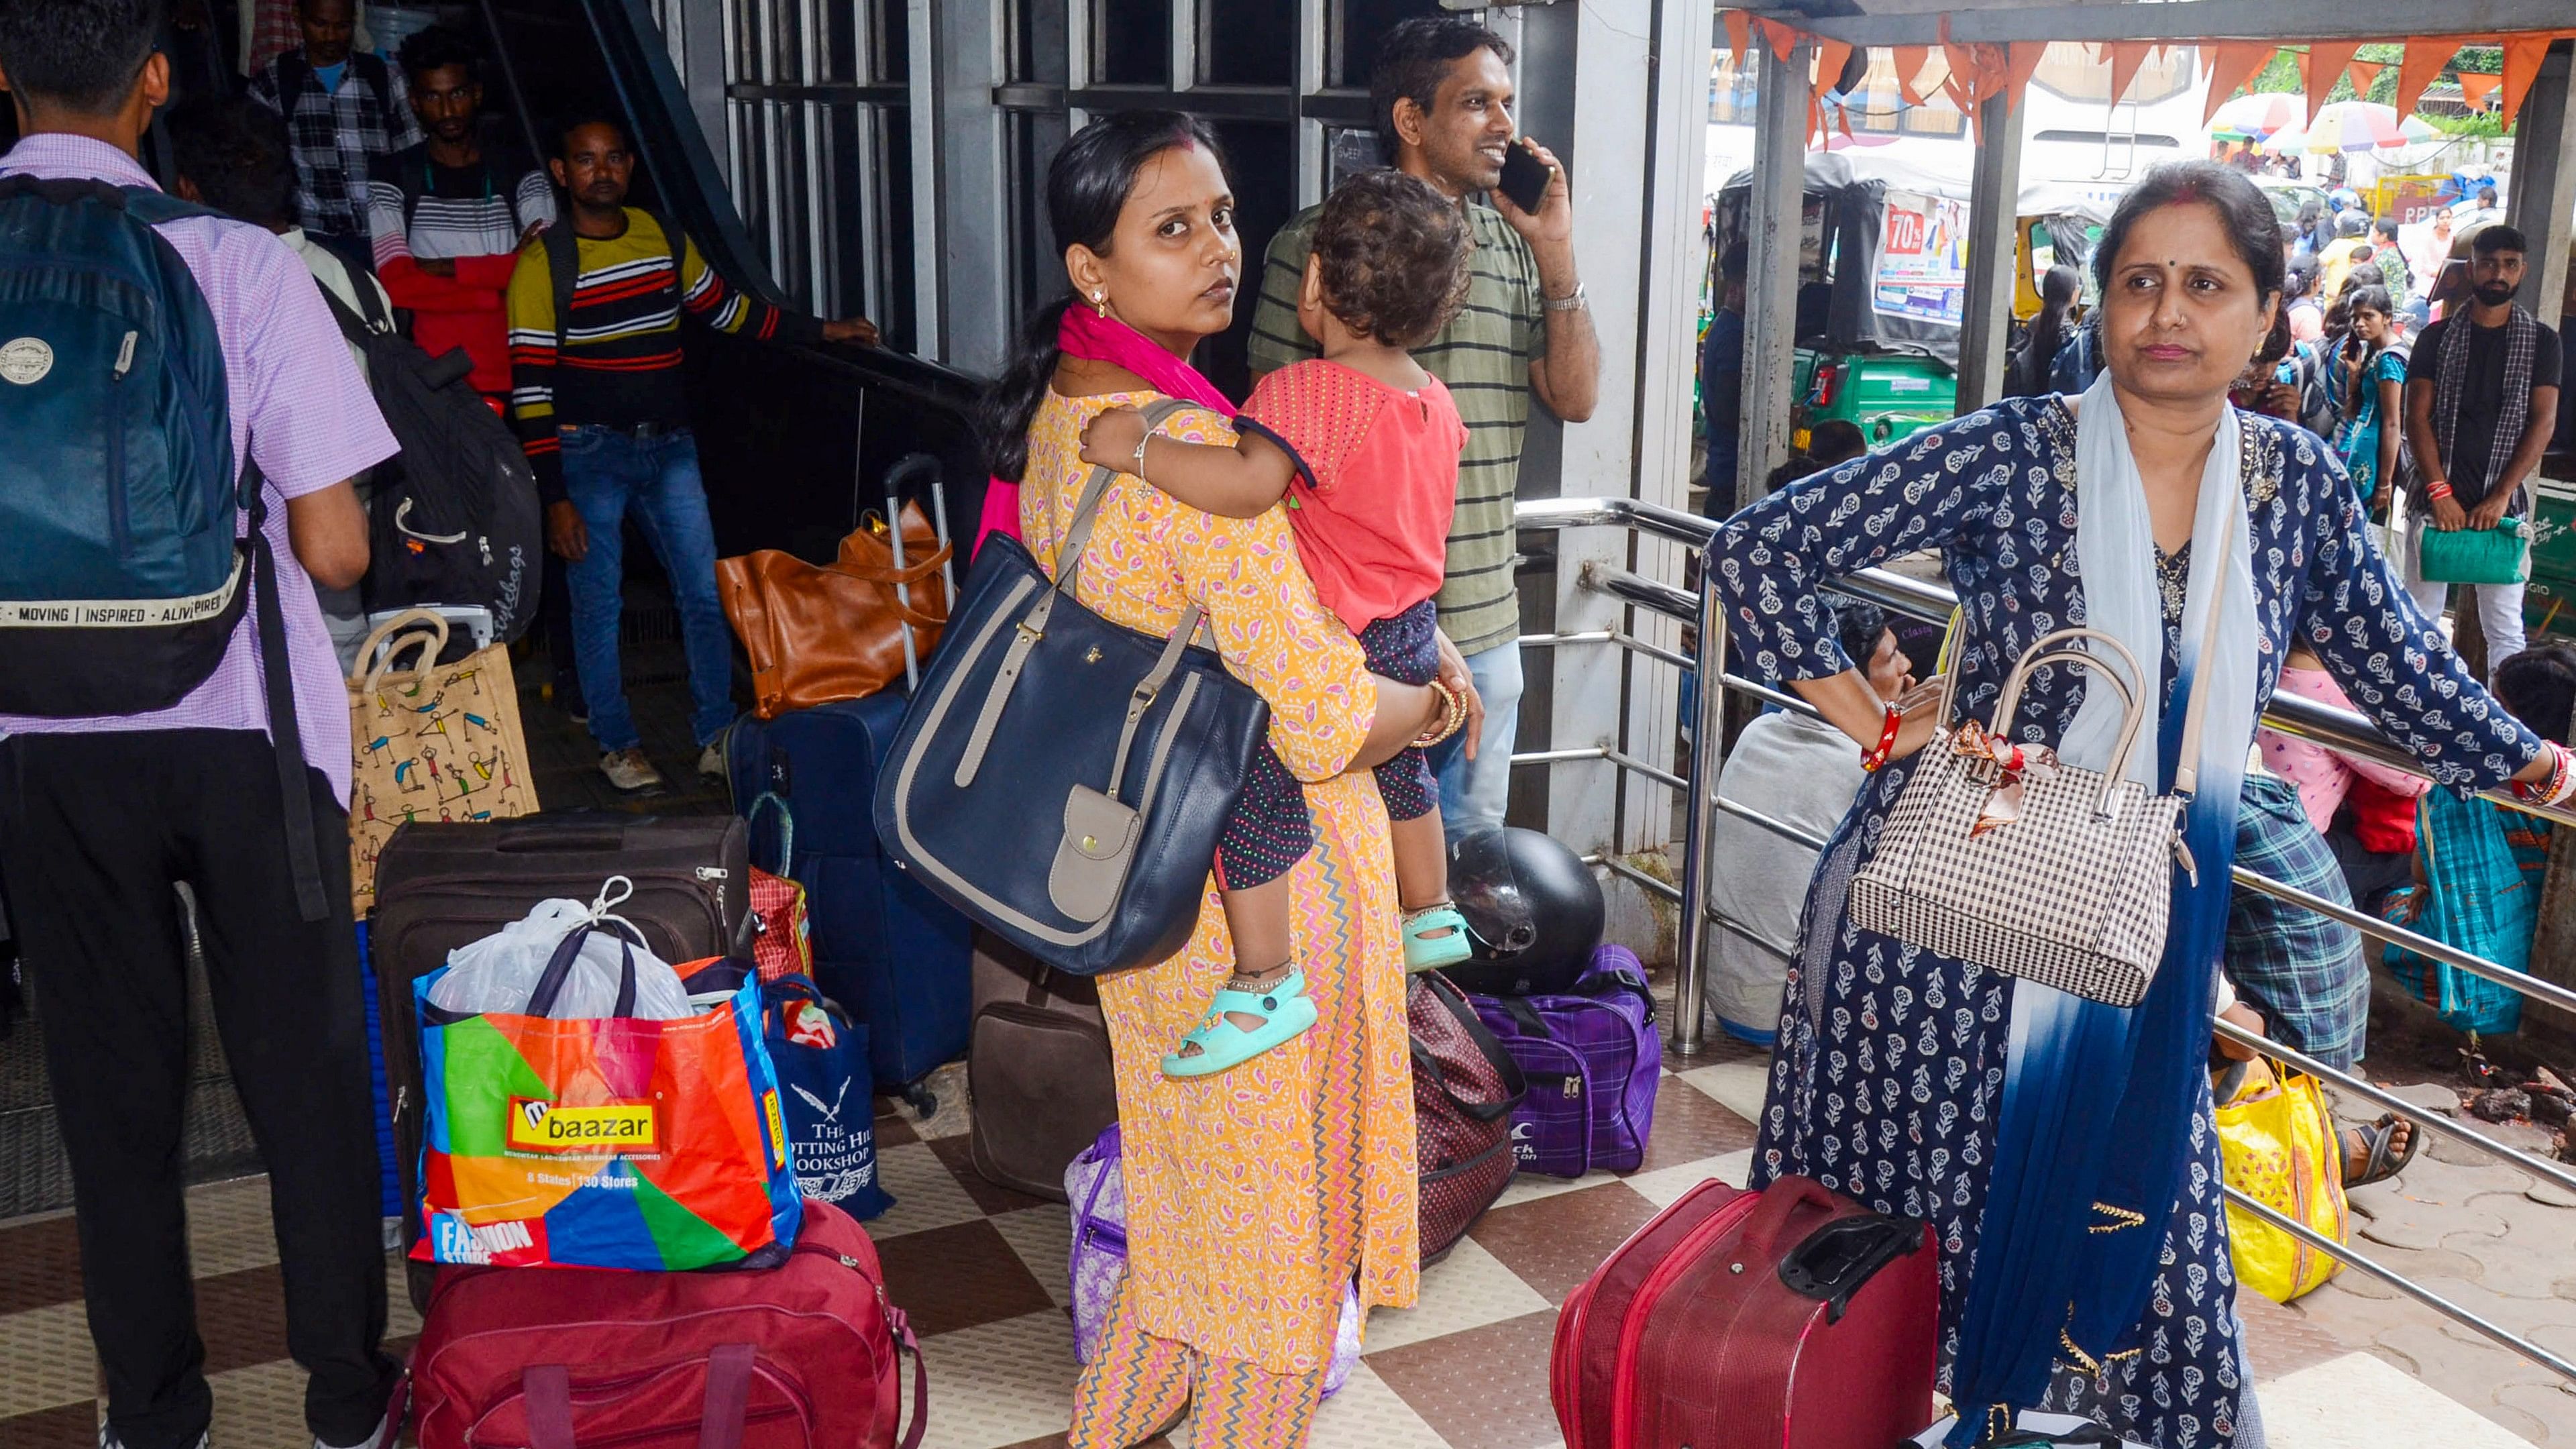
x=389, y=1428
x=629, y=771
x=711, y=762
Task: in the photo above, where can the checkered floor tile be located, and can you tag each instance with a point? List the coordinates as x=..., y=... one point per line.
x=981, y=1270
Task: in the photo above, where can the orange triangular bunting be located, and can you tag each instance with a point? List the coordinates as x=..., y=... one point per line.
x=1783, y=36
x=2522, y=57
x=2365, y=74
x=1831, y=55
x=1739, y=34
x=2327, y=61
x=2021, y=59
x=2425, y=57
x=2231, y=64
x=2125, y=57
x=1909, y=70
x=2475, y=87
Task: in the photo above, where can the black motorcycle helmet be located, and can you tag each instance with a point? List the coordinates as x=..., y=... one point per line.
x=1534, y=912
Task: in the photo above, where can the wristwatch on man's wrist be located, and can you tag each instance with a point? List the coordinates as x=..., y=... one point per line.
x=1567, y=303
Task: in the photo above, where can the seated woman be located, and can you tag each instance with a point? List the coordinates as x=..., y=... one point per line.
x=1799, y=771
x=2061, y=1147
x=1253, y=1198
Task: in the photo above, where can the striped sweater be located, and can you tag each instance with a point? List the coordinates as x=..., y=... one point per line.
x=472, y=216
x=619, y=363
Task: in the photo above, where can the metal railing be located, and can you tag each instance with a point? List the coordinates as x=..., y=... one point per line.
x=2341, y=730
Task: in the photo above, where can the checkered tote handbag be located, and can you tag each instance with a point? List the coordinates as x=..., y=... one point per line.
x=2008, y=858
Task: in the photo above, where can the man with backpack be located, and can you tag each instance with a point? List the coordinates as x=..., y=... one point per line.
x=172, y=712
x=447, y=217
x=603, y=410
x=342, y=110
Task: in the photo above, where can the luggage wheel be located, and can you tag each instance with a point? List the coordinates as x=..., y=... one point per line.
x=923, y=1101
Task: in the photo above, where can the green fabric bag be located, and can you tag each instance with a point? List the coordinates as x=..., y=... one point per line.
x=2498, y=555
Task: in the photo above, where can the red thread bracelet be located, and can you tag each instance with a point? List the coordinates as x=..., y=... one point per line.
x=1873, y=759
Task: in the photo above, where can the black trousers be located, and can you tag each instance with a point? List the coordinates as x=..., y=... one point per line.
x=94, y=831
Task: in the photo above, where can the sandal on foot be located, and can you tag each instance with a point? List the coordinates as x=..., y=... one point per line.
x=1426, y=947
x=1284, y=1011
x=2382, y=1161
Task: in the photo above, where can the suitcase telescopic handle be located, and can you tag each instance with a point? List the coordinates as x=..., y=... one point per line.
x=548, y=1392
x=1762, y=1231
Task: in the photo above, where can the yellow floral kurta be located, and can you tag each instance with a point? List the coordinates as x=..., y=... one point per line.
x=1253, y=1195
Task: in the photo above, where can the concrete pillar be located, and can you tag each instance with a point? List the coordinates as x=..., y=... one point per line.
x=1994, y=198
x=1771, y=267
x=2544, y=182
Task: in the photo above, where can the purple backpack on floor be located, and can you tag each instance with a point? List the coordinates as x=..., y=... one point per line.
x=1593, y=1062
x=1099, y=1259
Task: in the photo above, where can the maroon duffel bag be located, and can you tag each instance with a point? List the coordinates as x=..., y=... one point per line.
x=801, y=1356
x=1464, y=1089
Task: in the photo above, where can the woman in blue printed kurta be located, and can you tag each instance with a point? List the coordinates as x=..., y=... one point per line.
x=1888, y=1073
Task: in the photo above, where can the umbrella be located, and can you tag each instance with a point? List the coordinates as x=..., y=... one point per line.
x=2363, y=126
x=2286, y=143
x=2252, y=117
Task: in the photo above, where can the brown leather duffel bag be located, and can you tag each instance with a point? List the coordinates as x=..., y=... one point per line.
x=819, y=633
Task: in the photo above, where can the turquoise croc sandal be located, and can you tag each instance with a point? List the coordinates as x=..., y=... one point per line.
x=1284, y=1011
x=1424, y=951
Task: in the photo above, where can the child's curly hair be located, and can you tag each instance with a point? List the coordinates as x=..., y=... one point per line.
x=1393, y=254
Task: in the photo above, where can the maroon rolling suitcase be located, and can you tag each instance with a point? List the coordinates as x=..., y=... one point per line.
x=801, y=1356
x=1785, y=1319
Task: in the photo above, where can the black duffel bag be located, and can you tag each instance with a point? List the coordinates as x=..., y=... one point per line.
x=1060, y=779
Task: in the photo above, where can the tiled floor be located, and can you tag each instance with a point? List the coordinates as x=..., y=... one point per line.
x=981, y=1270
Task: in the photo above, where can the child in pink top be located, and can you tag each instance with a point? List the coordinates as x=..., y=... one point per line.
x=2323, y=777
x=1363, y=444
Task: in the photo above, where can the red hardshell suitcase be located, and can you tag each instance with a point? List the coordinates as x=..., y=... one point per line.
x=801, y=1356
x=1786, y=1319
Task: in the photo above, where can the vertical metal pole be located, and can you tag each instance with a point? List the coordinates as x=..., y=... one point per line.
x=1994, y=194
x=2544, y=179
x=1774, y=223
x=1690, y=938
x=902, y=591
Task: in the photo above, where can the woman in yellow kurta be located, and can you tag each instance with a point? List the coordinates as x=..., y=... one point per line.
x=1255, y=1195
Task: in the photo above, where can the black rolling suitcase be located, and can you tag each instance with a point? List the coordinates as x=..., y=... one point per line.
x=442, y=886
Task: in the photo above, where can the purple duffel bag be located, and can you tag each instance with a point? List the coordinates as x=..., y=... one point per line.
x=1592, y=1060
x=1098, y=1193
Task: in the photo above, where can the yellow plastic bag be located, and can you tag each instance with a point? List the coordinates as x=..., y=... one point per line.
x=2277, y=1145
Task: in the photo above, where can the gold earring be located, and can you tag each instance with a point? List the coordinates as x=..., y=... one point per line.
x=1100, y=304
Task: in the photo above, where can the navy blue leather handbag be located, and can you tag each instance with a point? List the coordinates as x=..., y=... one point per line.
x=1062, y=779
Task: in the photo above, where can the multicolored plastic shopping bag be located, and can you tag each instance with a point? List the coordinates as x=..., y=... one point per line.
x=614, y=1142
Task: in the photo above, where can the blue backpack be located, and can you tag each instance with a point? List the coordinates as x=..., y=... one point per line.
x=123, y=569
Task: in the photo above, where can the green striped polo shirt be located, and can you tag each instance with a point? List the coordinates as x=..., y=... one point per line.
x=1484, y=357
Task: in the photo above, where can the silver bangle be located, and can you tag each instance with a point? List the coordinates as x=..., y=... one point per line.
x=1139, y=462
x=1567, y=303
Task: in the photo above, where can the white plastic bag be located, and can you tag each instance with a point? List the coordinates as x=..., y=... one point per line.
x=500, y=972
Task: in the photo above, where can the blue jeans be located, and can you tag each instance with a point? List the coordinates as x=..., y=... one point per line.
x=609, y=476
x=1475, y=793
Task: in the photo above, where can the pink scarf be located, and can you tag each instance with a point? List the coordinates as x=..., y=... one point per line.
x=1094, y=338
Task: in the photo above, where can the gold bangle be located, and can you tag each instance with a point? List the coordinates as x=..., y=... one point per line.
x=1453, y=716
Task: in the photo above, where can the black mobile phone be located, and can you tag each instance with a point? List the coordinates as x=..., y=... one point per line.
x=1525, y=178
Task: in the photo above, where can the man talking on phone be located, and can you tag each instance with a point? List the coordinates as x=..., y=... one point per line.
x=1441, y=92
